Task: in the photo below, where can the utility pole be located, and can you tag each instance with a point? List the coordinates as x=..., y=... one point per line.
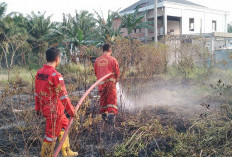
x=155, y=21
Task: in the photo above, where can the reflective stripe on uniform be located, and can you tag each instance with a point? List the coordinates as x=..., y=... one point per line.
x=109, y=105
x=104, y=107
x=63, y=97
x=53, y=74
x=35, y=94
x=103, y=82
x=61, y=78
x=112, y=105
x=50, y=139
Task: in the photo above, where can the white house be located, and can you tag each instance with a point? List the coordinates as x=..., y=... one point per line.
x=178, y=17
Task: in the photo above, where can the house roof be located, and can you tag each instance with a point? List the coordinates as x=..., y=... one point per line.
x=151, y=2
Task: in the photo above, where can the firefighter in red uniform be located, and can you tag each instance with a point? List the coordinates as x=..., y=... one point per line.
x=107, y=88
x=51, y=99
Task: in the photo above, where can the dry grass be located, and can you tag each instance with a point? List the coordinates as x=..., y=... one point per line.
x=148, y=132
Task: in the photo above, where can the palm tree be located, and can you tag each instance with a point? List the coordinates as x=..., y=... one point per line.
x=106, y=31
x=134, y=21
x=68, y=34
x=85, y=21
x=38, y=27
x=75, y=31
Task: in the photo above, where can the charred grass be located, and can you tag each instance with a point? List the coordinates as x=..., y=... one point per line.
x=147, y=132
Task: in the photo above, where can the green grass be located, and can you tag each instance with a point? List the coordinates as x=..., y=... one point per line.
x=15, y=73
x=72, y=68
x=200, y=73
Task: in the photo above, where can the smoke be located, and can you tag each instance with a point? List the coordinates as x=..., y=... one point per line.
x=177, y=96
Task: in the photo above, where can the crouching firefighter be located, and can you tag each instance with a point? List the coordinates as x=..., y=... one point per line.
x=107, y=88
x=51, y=100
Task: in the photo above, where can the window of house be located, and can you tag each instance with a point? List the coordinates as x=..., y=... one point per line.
x=214, y=26
x=191, y=24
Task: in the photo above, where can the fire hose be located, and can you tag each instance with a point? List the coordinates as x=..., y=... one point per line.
x=76, y=109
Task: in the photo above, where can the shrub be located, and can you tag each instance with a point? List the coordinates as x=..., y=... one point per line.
x=152, y=60
x=147, y=59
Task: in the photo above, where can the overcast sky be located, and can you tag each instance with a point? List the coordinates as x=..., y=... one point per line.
x=57, y=7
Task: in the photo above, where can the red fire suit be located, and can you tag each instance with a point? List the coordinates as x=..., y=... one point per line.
x=107, y=88
x=51, y=99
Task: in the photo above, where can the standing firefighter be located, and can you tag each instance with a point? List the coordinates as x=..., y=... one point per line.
x=107, y=88
x=51, y=100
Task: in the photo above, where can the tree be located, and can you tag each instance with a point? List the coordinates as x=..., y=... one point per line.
x=3, y=7
x=135, y=21
x=14, y=38
x=75, y=31
x=85, y=22
x=68, y=34
x=38, y=27
x=106, y=31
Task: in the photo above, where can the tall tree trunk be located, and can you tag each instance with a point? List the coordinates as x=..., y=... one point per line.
x=12, y=59
x=6, y=60
x=5, y=53
x=1, y=61
x=23, y=58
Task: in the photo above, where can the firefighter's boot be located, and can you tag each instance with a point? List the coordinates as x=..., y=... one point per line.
x=65, y=149
x=104, y=117
x=47, y=149
x=111, y=119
